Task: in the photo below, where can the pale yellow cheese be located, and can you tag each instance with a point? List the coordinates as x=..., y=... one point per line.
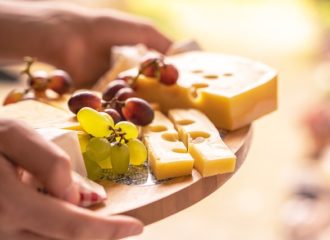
x=167, y=156
x=39, y=115
x=210, y=153
x=48, y=120
x=231, y=91
x=68, y=141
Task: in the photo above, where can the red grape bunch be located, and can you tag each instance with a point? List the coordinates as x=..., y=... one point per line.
x=122, y=106
x=156, y=68
x=39, y=82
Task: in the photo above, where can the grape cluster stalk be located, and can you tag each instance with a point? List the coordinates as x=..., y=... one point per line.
x=39, y=82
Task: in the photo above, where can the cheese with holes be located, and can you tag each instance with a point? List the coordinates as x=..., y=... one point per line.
x=211, y=155
x=167, y=156
x=232, y=91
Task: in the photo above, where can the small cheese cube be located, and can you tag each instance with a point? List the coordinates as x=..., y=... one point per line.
x=210, y=153
x=167, y=156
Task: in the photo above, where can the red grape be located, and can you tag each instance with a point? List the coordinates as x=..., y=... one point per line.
x=125, y=93
x=150, y=67
x=39, y=80
x=14, y=96
x=84, y=99
x=138, y=111
x=114, y=114
x=168, y=74
x=60, y=81
x=112, y=88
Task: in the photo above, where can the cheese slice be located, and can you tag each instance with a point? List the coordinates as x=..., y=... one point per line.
x=68, y=141
x=211, y=155
x=39, y=115
x=167, y=156
x=232, y=91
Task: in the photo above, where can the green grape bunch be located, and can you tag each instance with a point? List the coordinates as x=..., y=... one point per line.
x=110, y=146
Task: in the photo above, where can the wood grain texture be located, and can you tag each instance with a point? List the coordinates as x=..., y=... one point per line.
x=155, y=202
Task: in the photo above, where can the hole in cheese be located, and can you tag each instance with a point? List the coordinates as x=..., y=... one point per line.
x=197, y=71
x=199, y=85
x=195, y=87
x=197, y=136
x=171, y=137
x=157, y=128
x=211, y=76
x=228, y=74
x=185, y=122
x=179, y=150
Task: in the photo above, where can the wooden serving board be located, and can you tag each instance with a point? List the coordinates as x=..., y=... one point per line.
x=151, y=203
x=147, y=202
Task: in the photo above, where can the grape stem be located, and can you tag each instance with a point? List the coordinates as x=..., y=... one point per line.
x=29, y=62
x=113, y=103
x=117, y=133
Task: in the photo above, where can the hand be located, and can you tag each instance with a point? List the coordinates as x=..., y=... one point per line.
x=29, y=215
x=71, y=37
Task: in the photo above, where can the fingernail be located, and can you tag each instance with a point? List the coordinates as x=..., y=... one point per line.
x=71, y=194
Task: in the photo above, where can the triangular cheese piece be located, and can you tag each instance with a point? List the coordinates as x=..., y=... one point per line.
x=38, y=114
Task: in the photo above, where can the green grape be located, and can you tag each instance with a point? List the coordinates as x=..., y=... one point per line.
x=106, y=163
x=98, y=149
x=137, y=152
x=94, y=172
x=95, y=123
x=83, y=140
x=129, y=128
x=107, y=116
x=119, y=157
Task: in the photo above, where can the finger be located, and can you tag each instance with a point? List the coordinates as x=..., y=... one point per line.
x=26, y=235
x=117, y=28
x=154, y=39
x=61, y=220
x=46, y=161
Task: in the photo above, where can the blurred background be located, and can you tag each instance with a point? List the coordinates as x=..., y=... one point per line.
x=281, y=192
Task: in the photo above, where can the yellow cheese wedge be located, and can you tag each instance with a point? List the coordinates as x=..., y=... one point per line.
x=40, y=115
x=231, y=91
x=167, y=156
x=211, y=155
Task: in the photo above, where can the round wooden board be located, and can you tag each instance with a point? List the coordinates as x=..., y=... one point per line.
x=155, y=202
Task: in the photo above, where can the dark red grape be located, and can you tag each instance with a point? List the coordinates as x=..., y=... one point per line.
x=114, y=114
x=138, y=111
x=150, y=67
x=14, y=96
x=84, y=99
x=60, y=81
x=39, y=80
x=112, y=88
x=125, y=93
x=168, y=74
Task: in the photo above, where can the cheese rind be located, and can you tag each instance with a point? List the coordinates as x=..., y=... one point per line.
x=210, y=153
x=231, y=91
x=167, y=156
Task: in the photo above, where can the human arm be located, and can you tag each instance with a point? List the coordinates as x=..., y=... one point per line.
x=70, y=37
